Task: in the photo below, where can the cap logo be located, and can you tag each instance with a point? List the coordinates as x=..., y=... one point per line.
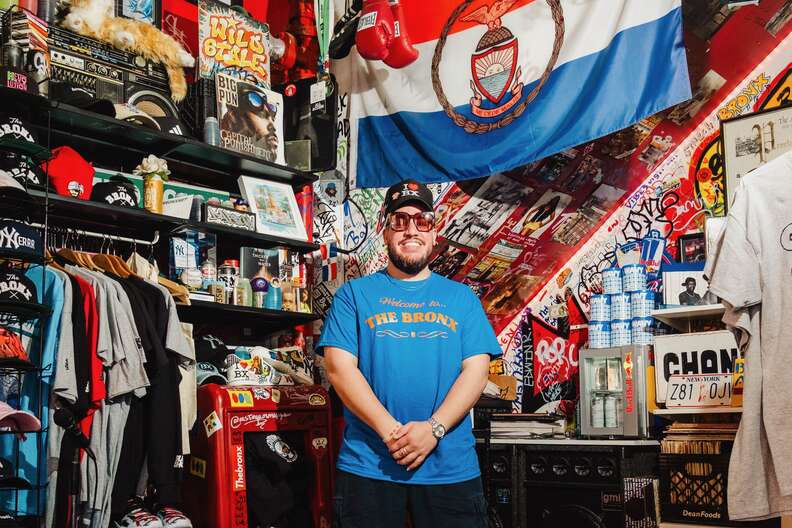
x=75, y=188
x=15, y=127
x=395, y=196
x=11, y=239
x=120, y=197
x=16, y=290
x=410, y=189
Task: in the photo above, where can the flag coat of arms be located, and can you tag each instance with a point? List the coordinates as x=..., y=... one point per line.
x=501, y=83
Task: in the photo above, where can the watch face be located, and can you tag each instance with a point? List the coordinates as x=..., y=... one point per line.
x=438, y=430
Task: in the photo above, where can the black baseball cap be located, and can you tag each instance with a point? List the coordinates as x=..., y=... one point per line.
x=117, y=191
x=408, y=191
x=80, y=97
x=210, y=349
x=689, y=279
x=18, y=240
x=8, y=479
x=15, y=286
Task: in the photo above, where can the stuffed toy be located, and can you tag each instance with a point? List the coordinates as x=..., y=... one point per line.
x=95, y=19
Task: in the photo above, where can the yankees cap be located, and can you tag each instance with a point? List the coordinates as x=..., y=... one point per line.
x=408, y=191
x=117, y=191
x=18, y=240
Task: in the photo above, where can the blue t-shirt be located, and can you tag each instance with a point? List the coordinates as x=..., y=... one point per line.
x=410, y=338
x=31, y=458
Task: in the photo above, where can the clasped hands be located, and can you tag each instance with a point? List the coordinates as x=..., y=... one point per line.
x=410, y=444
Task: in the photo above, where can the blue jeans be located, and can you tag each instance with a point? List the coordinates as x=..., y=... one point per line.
x=361, y=502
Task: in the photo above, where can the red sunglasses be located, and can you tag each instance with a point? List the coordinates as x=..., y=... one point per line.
x=424, y=221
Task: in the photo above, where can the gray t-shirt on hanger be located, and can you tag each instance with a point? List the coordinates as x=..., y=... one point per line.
x=751, y=273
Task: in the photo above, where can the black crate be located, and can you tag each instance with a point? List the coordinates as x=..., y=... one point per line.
x=693, y=490
x=199, y=104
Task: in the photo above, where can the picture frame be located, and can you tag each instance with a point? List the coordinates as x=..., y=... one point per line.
x=750, y=141
x=684, y=285
x=275, y=207
x=692, y=248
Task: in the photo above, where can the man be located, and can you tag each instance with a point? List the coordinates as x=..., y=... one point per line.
x=689, y=296
x=408, y=353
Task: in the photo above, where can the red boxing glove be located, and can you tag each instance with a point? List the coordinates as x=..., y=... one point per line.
x=401, y=51
x=375, y=30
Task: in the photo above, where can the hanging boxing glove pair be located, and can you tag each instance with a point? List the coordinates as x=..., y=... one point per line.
x=382, y=34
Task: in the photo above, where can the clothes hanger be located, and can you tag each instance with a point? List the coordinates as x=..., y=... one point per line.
x=49, y=252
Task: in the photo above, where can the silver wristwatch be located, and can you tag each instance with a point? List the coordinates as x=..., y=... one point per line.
x=438, y=429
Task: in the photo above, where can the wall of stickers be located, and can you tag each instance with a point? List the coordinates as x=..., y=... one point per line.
x=533, y=242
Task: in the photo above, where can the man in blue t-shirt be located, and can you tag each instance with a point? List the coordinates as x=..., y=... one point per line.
x=408, y=353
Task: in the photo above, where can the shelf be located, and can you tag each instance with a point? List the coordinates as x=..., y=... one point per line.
x=697, y=410
x=22, y=311
x=139, y=223
x=260, y=319
x=574, y=442
x=679, y=317
x=109, y=142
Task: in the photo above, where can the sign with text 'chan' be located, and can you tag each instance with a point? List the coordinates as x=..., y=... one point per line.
x=697, y=353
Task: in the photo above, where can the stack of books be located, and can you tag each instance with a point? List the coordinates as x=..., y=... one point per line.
x=527, y=425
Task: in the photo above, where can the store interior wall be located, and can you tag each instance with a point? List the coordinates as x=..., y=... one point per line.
x=524, y=240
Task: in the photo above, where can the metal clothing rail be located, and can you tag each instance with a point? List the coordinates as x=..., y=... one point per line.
x=105, y=236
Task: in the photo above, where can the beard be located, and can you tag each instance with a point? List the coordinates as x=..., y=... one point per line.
x=410, y=266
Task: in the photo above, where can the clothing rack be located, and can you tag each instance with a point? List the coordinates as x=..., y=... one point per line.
x=93, y=234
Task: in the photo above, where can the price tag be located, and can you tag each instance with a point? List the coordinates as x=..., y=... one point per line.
x=318, y=92
x=699, y=390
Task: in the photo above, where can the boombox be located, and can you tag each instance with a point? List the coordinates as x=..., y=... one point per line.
x=109, y=73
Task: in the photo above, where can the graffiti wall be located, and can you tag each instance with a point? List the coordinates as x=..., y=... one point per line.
x=533, y=242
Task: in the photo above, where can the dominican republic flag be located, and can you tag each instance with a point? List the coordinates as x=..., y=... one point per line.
x=501, y=83
x=329, y=254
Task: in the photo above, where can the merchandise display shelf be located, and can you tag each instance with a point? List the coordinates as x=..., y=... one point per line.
x=110, y=142
x=697, y=410
x=139, y=223
x=679, y=317
x=21, y=311
x=575, y=441
x=245, y=316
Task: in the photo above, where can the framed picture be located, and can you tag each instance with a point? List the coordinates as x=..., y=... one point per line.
x=275, y=207
x=143, y=10
x=692, y=248
x=684, y=284
x=752, y=140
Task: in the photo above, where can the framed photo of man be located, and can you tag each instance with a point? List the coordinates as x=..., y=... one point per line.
x=752, y=140
x=684, y=285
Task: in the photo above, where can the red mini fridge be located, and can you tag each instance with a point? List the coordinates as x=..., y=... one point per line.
x=260, y=453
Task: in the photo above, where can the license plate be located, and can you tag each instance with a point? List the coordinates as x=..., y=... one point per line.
x=699, y=390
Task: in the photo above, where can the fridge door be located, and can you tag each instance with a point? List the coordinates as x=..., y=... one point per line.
x=602, y=392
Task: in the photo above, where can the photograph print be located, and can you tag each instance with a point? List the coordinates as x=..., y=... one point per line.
x=752, y=140
x=684, y=285
x=542, y=214
x=486, y=211
x=275, y=207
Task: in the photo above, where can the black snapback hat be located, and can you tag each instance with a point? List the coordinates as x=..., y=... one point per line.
x=408, y=191
x=15, y=286
x=117, y=191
